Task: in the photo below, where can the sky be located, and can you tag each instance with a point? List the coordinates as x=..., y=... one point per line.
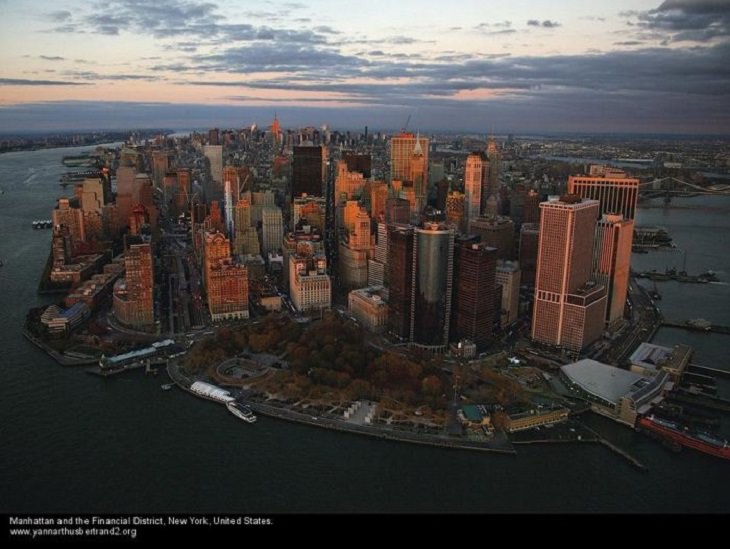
x=634, y=66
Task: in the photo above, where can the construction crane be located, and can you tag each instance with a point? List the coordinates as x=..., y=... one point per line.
x=405, y=126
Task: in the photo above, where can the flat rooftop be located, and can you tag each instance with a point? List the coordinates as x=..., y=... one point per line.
x=604, y=381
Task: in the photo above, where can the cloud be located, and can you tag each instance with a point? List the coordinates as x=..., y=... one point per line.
x=59, y=16
x=685, y=20
x=546, y=24
x=23, y=82
x=52, y=57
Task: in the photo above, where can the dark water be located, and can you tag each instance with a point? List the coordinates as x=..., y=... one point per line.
x=72, y=442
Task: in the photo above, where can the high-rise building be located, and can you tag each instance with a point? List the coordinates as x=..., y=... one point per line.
x=361, y=163
x=508, y=277
x=378, y=195
x=184, y=189
x=531, y=208
x=311, y=208
x=214, y=154
x=214, y=137
x=432, y=285
x=92, y=198
x=400, y=276
x=569, y=307
x=227, y=290
x=419, y=176
x=308, y=171
x=72, y=218
x=397, y=210
x=402, y=149
x=474, y=300
x=310, y=287
x=455, y=204
x=215, y=247
x=246, y=241
x=475, y=171
x=617, y=193
x=304, y=241
x=376, y=266
x=160, y=165
x=134, y=294
x=529, y=241
x=497, y=232
x=272, y=226
x=349, y=184
x=612, y=263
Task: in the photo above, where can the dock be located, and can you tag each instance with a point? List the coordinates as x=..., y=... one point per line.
x=709, y=372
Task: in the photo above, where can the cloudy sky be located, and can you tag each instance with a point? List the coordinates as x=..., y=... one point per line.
x=473, y=65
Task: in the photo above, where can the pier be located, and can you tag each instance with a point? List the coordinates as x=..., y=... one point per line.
x=709, y=372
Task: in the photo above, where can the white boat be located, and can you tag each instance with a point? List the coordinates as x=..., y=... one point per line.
x=241, y=411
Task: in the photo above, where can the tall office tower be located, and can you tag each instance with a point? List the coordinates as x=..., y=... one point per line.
x=490, y=180
x=227, y=290
x=400, y=275
x=303, y=241
x=531, y=208
x=516, y=203
x=612, y=263
x=272, y=229
x=308, y=171
x=126, y=177
x=133, y=301
x=138, y=219
x=397, y=210
x=419, y=176
x=442, y=192
x=569, y=308
x=215, y=247
x=72, y=218
x=436, y=172
x=160, y=165
x=378, y=196
x=348, y=184
x=92, y=198
x=402, y=148
x=184, y=189
x=311, y=208
x=496, y=232
x=216, y=216
x=228, y=195
x=214, y=154
x=474, y=301
x=432, y=285
x=474, y=175
x=276, y=130
x=230, y=174
x=356, y=249
x=246, y=240
x=455, y=205
x=377, y=266
x=214, y=136
x=361, y=163
x=408, y=192
x=259, y=201
x=529, y=241
x=61, y=247
x=508, y=277
x=616, y=192
x=310, y=286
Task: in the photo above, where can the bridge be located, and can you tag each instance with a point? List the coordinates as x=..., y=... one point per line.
x=668, y=186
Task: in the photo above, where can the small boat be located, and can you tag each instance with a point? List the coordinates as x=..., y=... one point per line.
x=167, y=386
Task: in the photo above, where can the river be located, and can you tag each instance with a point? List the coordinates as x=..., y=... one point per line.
x=74, y=443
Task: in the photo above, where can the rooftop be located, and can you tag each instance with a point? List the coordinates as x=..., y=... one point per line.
x=601, y=380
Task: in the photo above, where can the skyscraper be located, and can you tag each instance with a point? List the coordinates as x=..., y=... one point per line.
x=133, y=295
x=272, y=226
x=432, y=285
x=308, y=171
x=475, y=170
x=497, y=232
x=617, y=193
x=529, y=241
x=455, y=205
x=612, y=263
x=400, y=276
x=474, y=291
x=508, y=277
x=569, y=307
x=419, y=176
x=214, y=154
x=360, y=163
x=402, y=148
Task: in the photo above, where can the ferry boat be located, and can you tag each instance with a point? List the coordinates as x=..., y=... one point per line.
x=43, y=224
x=241, y=411
x=703, y=442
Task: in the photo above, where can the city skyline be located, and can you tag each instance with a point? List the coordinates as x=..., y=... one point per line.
x=642, y=66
